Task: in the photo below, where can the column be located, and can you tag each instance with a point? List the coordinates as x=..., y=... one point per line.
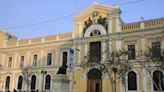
x=110, y=25
x=104, y=53
x=43, y=39
x=85, y=50
x=56, y=58
x=142, y=24
x=29, y=41
x=80, y=29
x=40, y=82
x=118, y=44
x=16, y=62
x=118, y=24
x=28, y=59
x=144, y=80
x=79, y=52
x=17, y=43
x=4, y=60
x=42, y=58
x=162, y=44
x=110, y=45
x=142, y=43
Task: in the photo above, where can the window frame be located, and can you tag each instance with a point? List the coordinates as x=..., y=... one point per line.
x=130, y=42
x=46, y=81
x=152, y=84
x=129, y=59
x=68, y=55
x=10, y=62
x=35, y=83
x=51, y=59
x=21, y=83
x=34, y=62
x=138, y=84
x=8, y=84
x=135, y=75
x=100, y=57
x=156, y=47
x=22, y=63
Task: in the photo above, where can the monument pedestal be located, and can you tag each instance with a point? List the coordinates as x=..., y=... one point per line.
x=61, y=83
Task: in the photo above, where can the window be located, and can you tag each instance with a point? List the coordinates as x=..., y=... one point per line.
x=95, y=52
x=95, y=33
x=35, y=57
x=156, y=51
x=48, y=82
x=64, y=59
x=33, y=83
x=131, y=52
x=7, y=86
x=158, y=79
x=21, y=61
x=10, y=62
x=49, y=58
x=20, y=82
x=132, y=81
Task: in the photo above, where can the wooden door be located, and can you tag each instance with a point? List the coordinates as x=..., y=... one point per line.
x=94, y=85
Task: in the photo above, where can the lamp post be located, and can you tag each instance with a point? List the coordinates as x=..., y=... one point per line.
x=43, y=73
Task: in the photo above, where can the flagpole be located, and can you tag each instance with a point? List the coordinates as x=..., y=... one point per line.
x=74, y=39
x=74, y=46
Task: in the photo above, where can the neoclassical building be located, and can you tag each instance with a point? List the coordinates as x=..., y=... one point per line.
x=30, y=64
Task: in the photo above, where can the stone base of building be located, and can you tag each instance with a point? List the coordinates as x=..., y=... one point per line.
x=61, y=83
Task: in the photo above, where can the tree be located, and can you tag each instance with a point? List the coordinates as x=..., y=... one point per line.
x=153, y=59
x=114, y=65
x=26, y=74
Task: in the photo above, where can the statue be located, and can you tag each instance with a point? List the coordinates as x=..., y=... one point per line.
x=102, y=21
x=63, y=68
x=88, y=23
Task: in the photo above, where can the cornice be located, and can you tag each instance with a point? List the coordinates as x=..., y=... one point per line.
x=94, y=7
x=38, y=46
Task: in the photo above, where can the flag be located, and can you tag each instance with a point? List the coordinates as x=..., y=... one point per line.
x=71, y=59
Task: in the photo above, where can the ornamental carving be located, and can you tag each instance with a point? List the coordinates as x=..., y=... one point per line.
x=95, y=18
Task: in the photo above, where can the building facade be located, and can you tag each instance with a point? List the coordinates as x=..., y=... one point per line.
x=30, y=64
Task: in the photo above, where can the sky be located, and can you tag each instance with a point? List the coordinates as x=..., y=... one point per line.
x=36, y=18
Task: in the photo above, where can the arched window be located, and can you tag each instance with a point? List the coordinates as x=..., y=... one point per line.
x=33, y=82
x=132, y=81
x=95, y=33
x=20, y=82
x=48, y=82
x=158, y=79
x=7, y=86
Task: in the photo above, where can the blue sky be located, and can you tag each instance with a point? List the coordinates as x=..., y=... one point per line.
x=17, y=13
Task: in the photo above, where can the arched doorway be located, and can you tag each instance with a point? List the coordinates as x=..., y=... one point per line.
x=94, y=83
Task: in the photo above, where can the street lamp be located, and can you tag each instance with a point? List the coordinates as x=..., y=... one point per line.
x=43, y=73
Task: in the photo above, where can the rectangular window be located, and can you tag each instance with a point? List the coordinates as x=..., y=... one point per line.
x=21, y=61
x=49, y=58
x=10, y=62
x=64, y=62
x=95, y=52
x=156, y=49
x=35, y=57
x=131, y=52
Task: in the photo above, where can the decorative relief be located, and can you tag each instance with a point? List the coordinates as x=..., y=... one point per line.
x=95, y=18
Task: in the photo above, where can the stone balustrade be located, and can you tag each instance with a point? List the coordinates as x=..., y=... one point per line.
x=145, y=24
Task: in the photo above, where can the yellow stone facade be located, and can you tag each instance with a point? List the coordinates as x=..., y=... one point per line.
x=118, y=33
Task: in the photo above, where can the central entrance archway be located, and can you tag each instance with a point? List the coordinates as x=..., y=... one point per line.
x=94, y=83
